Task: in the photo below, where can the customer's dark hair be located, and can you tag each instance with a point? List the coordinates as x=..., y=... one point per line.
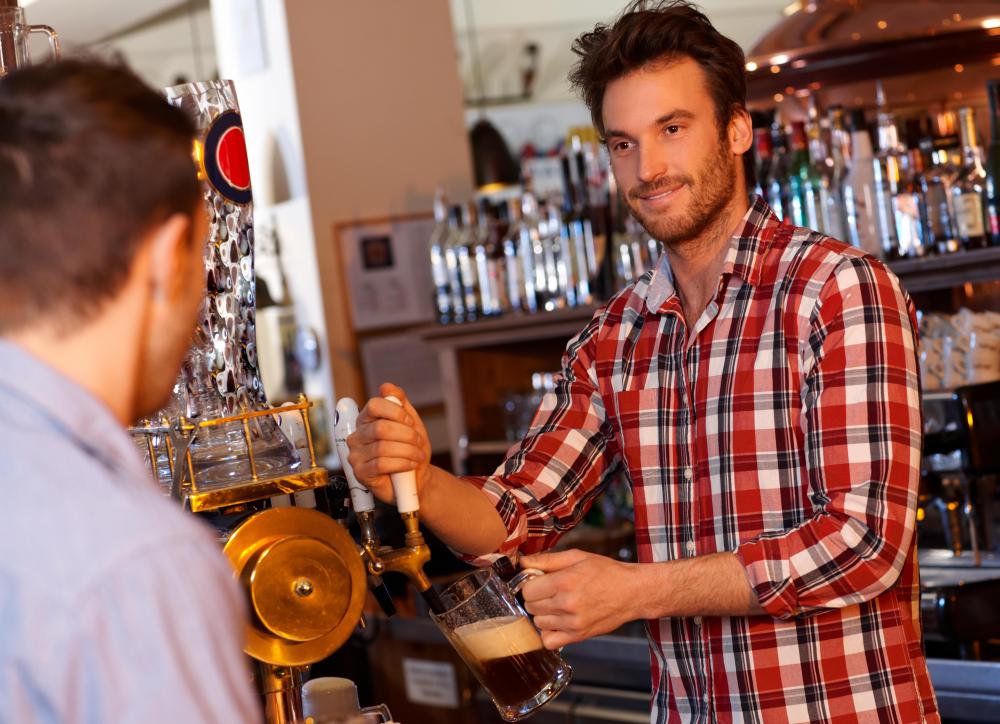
x=649, y=31
x=90, y=159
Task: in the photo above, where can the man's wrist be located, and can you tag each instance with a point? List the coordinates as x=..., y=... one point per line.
x=648, y=592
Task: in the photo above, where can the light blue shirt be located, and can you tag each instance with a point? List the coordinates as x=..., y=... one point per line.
x=115, y=606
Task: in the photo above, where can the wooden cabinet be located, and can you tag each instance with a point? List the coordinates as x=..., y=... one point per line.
x=484, y=362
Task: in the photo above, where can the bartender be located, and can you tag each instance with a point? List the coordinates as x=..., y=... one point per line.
x=760, y=391
x=116, y=605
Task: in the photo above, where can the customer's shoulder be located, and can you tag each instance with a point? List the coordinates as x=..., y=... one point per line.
x=67, y=520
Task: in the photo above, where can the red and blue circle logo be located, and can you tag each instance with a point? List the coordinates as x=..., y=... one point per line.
x=225, y=158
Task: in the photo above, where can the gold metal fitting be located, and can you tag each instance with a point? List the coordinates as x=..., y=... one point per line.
x=305, y=581
x=198, y=498
x=410, y=559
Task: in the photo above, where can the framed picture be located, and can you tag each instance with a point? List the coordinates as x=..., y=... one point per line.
x=387, y=270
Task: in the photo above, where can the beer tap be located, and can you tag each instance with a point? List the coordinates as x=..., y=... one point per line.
x=410, y=559
x=364, y=505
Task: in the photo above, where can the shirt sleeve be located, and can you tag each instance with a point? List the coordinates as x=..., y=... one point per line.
x=862, y=421
x=159, y=639
x=549, y=480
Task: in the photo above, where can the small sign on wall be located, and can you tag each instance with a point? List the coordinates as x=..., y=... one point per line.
x=430, y=682
x=387, y=271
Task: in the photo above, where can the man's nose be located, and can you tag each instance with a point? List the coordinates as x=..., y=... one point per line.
x=652, y=163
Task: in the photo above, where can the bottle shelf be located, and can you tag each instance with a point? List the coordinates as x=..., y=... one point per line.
x=516, y=326
x=948, y=270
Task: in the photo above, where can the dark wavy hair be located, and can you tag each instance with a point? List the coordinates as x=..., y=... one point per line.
x=649, y=31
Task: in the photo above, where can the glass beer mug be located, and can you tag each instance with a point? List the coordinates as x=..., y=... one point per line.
x=14, y=34
x=497, y=640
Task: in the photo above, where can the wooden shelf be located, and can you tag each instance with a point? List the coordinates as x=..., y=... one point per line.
x=516, y=327
x=948, y=270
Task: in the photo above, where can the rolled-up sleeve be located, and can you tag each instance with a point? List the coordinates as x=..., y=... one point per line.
x=861, y=417
x=549, y=479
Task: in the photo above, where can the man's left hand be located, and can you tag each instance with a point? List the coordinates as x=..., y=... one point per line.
x=580, y=596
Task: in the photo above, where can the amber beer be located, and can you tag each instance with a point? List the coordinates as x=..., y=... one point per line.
x=509, y=657
x=494, y=636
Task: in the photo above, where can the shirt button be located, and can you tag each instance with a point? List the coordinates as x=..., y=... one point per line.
x=696, y=620
x=690, y=546
x=688, y=473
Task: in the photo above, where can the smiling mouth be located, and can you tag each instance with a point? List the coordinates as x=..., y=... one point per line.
x=659, y=195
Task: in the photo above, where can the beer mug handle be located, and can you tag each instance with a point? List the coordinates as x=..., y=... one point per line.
x=53, y=38
x=517, y=582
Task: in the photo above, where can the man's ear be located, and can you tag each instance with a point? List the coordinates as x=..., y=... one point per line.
x=169, y=252
x=740, y=131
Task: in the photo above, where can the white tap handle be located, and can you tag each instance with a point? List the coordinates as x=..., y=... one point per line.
x=404, y=485
x=347, y=422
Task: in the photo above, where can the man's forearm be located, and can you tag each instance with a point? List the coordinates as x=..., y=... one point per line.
x=460, y=514
x=710, y=585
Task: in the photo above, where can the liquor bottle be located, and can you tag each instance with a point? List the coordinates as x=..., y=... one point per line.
x=517, y=283
x=802, y=181
x=993, y=164
x=830, y=167
x=940, y=230
x=969, y=191
x=886, y=175
x=909, y=208
x=859, y=190
x=556, y=274
x=485, y=259
x=466, y=259
x=599, y=261
x=763, y=153
x=778, y=195
x=580, y=237
x=768, y=187
x=534, y=251
x=439, y=266
x=455, y=289
x=498, y=233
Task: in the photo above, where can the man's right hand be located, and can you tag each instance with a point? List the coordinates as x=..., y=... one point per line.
x=389, y=439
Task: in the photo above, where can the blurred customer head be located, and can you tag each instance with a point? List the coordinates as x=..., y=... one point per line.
x=101, y=225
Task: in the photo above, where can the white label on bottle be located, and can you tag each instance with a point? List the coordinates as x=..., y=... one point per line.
x=969, y=215
x=430, y=682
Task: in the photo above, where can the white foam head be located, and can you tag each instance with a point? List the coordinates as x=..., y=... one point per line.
x=497, y=638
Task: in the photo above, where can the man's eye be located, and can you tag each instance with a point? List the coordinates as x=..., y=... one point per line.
x=621, y=146
x=672, y=129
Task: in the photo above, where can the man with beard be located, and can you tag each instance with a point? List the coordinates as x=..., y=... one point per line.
x=760, y=391
x=116, y=605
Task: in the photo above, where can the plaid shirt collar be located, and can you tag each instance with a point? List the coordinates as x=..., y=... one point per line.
x=747, y=253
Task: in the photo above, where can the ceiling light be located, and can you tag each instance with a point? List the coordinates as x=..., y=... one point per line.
x=991, y=23
x=779, y=59
x=751, y=66
x=792, y=8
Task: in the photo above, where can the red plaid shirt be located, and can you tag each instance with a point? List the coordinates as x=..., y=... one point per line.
x=784, y=426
